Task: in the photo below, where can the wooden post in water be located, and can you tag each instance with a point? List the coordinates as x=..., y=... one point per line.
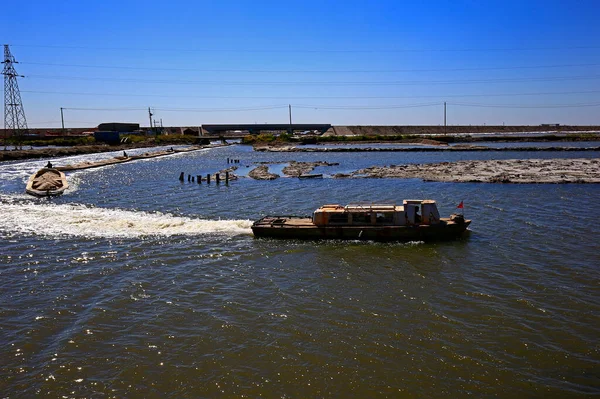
x=181, y=176
x=189, y=177
x=199, y=178
x=226, y=177
x=208, y=178
x=218, y=178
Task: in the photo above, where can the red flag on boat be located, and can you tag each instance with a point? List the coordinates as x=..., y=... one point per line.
x=461, y=206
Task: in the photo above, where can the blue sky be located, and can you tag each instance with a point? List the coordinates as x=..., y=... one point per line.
x=352, y=62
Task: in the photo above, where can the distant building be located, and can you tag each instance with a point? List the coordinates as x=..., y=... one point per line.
x=191, y=132
x=119, y=127
x=185, y=131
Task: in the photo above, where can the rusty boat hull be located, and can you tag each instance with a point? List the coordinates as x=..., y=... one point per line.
x=303, y=228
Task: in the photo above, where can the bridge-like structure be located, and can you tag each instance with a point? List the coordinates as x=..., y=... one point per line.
x=242, y=129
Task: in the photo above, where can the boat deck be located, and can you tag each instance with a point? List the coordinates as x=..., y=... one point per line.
x=286, y=221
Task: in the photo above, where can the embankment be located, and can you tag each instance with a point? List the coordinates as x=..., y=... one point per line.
x=460, y=148
x=56, y=152
x=361, y=130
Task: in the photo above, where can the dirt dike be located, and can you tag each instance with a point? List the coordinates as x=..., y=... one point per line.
x=57, y=152
x=456, y=148
x=494, y=171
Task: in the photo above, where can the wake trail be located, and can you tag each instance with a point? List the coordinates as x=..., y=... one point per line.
x=75, y=220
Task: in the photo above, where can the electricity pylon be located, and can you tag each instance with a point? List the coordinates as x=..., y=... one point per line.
x=14, y=115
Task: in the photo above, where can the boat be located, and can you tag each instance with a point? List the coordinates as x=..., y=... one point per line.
x=46, y=182
x=311, y=176
x=95, y=164
x=373, y=222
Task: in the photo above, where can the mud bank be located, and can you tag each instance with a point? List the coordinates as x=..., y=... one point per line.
x=495, y=171
x=295, y=169
x=123, y=159
x=262, y=173
x=57, y=152
x=457, y=148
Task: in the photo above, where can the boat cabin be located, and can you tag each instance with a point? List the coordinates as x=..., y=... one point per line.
x=411, y=212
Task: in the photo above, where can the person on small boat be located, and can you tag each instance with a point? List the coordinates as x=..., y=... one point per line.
x=49, y=165
x=124, y=154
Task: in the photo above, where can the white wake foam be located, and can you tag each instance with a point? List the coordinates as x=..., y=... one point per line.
x=83, y=221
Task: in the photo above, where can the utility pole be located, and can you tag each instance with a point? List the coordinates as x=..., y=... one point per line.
x=150, y=117
x=444, y=117
x=290, y=108
x=62, y=119
x=14, y=115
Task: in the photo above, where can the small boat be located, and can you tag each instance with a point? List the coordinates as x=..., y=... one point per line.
x=387, y=222
x=46, y=182
x=311, y=176
x=95, y=164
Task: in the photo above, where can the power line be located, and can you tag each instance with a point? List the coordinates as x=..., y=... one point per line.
x=581, y=105
x=312, y=71
x=221, y=109
x=166, y=109
x=342, y=107
x=366, y=107
x=51, y=122
x=323, y=83
x=314, y=97
x=310, y=51
x=42, y=123
x=104, y=109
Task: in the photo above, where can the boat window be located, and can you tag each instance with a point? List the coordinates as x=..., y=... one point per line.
x=338, y=218
x=385, y=217
x=361, y=218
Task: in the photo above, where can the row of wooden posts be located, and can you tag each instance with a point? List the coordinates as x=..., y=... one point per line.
x=233, y=160
x=198, y=178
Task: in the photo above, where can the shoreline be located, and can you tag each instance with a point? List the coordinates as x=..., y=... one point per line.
x=124, y=159
x=56, y=152
x=420, y=145
x=457, y=148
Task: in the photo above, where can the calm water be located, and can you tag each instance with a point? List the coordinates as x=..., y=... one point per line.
x=135, y=285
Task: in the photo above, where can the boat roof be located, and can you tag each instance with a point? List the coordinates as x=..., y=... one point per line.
x=371, y=207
